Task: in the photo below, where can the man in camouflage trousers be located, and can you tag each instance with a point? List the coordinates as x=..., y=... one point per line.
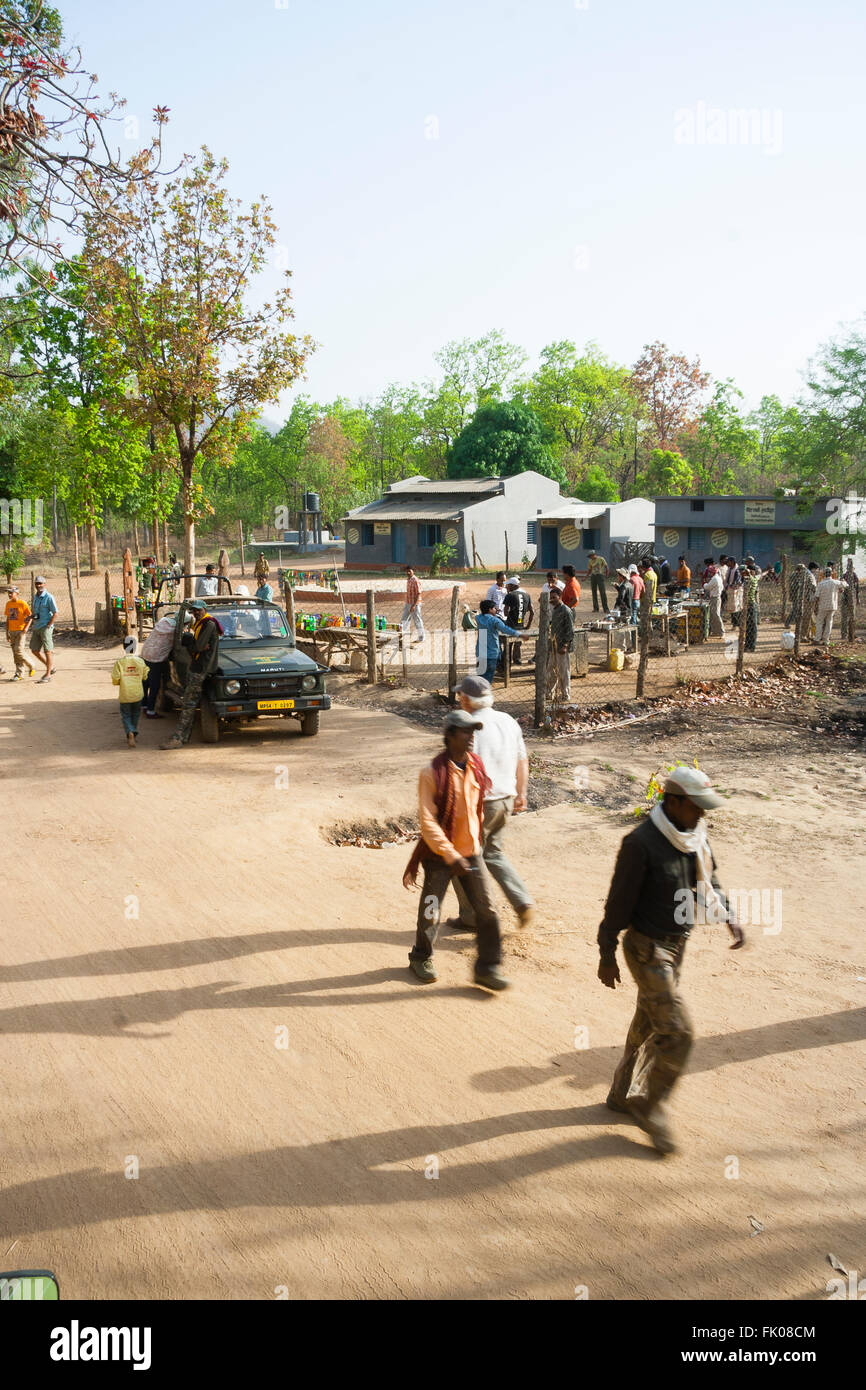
x=203, y=645
x=664, y=882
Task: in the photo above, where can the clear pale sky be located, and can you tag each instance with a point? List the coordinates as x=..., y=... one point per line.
x=577, y=188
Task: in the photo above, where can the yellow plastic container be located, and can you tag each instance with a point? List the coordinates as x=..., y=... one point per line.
x=615, y=660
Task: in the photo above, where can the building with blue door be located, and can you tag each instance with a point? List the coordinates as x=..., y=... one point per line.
x=569, y=531
x=762, y=526
x=487, y=521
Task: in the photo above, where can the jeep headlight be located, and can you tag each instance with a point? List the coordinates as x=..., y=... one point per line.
x=309, y=682
x=233, y=687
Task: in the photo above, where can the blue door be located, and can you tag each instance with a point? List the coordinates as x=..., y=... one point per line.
x=398, y=544
x=549, y=547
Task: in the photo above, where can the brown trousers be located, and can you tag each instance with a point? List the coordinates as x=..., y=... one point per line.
x=660, y=1035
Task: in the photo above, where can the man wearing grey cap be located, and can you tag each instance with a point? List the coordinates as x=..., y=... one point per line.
x=664, y=882
x=451, y=793
x=499, y=744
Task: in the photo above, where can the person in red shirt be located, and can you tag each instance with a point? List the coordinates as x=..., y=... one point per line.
x=637, y=586
x=571, y=592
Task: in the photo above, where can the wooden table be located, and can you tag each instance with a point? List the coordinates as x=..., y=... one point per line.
x=349, y=640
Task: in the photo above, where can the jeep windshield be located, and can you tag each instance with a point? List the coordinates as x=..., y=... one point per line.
x=250, y=623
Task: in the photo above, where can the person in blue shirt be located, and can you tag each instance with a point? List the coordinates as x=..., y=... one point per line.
x=489, y=629
x=42, y=627
x=264, y=591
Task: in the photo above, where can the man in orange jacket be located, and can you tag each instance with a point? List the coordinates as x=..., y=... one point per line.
x=451, y=810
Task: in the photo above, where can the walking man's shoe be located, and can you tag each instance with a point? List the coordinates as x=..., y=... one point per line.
x=454, y=924
x=424, y=970
x=491, y=977
x=172, y=743
x=526, y=915
x=130, y=739
x=18, y=676
x=618, y=1105
x=654, y=1126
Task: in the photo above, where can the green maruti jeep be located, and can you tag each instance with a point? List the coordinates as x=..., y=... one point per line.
x=259, y=672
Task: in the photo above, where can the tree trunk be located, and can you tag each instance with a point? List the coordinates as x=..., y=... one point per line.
x=54, y=517
x=156, y=537
x=91, y=541
x=164, y=541
x=135, y=538
x=188, y=529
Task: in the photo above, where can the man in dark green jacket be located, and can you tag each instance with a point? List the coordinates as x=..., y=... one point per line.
x=203, y=645
x=663, y=884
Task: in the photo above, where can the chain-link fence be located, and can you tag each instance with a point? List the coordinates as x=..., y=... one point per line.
x=671, y=645
x=612, y=661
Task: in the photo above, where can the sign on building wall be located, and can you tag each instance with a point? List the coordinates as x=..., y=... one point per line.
x=382, y=528
x=569, y=538
x=718, y=539
x=759, y=513
x=671, y=538
x=353, y=535
x=452, y=535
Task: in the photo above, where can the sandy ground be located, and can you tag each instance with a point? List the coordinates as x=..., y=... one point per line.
x=172, y=918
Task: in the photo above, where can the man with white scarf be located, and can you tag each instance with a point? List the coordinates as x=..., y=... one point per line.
x=663, y=884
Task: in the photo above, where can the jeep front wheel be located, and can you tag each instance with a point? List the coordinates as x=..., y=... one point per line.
x=310, y=723
x=210, y=724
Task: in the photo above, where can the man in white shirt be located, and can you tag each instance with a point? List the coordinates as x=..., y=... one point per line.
x=500, y=746
x=713, y=590
x=209, y=586
x=552, y=582
x=827, y=595
x=496, y=593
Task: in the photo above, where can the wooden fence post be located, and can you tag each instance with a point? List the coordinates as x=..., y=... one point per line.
x=784, y=586
x=541, y=647
x=72, y=598
x=506, y=550
x=289, y=600
x=241, y=539
x=371, y=636
x=77, y=557
x=32, y=586
x=452, y=649
x=645, y=610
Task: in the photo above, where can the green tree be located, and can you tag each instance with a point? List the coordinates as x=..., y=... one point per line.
x=721, y=445
x=596, y=485
x=502, y=440
x=173, y=266
x=584, y=401
x=667, y=474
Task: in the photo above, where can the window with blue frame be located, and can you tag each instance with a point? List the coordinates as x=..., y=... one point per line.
x=429, y=534
x=590, y=537
x=366, y=533
x=697, y=537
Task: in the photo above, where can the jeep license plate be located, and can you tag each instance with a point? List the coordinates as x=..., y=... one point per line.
x=275, y=704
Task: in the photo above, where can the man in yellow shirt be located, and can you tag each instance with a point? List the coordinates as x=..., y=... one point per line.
x=130, y=673
x=451, y=809
x=17, y=617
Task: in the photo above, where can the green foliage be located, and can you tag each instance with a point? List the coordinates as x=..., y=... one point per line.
x=11, y=556
x=444, y=554
x=667, y=474
x=500, y=441
x=596, y=486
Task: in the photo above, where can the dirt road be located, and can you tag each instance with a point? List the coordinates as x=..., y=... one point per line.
x=172, y=919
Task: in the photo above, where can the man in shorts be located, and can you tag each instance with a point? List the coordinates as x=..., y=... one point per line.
x=41, y=625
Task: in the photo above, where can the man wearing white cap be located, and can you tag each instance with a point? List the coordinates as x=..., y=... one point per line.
x=518, y=612
x=500, y=745
x=664, y=882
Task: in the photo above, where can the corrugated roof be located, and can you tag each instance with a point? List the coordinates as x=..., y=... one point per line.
x=578, y=512
x=449, y=485
x=412, y=509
